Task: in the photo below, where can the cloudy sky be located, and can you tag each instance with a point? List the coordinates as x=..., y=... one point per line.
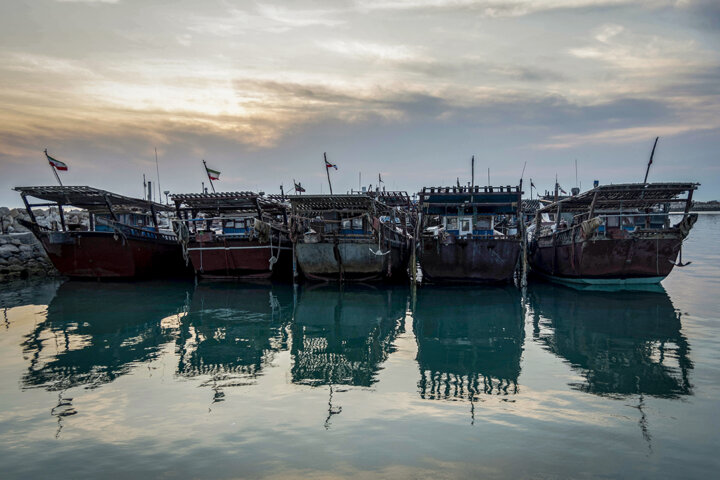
x=409, y=88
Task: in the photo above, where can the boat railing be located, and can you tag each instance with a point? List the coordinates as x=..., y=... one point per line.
x=137, y=232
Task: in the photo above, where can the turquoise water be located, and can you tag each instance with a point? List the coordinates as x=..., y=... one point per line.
x=174, y=380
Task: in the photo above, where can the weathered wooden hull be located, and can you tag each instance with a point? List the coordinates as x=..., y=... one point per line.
x=240, y=258
x=632, y=260
x=472, y=260
x=107, y=255
x=352, y=261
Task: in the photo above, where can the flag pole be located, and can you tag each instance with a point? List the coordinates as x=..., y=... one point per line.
x=53, y=168
x=327, y=171
x=208, y=175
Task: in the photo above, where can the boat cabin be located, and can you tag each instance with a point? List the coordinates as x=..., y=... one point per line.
x=471, y=211
x=617, y=209
x=106, y=211
x=228, y=214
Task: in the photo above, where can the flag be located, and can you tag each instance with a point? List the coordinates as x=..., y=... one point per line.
x=532, y=185
x=380, y=180
x=212, y=174
x=561, y=190
x=298, y=187
x=56, y=163
x=330, y=165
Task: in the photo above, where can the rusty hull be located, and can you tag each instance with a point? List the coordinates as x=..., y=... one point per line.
x=353, y=261
x=240, y=258
x=106, y=255
x=647, y=258
x=469, y=260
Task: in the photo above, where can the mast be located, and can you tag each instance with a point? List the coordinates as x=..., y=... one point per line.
x=652, y=154
x=472, y=175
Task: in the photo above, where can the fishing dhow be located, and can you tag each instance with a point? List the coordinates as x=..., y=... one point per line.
x=470, y=234
x=612, y=234
x=352, y=237
x=234, y=234
x=122, y=239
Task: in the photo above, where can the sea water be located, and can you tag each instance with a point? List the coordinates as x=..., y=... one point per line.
x=230, y=380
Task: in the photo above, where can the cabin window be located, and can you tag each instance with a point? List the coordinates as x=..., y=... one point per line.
x=613, y=221
x=347, y=224
x=452, y=223
x=483, y=223
x=465, y=225
x=357, y=223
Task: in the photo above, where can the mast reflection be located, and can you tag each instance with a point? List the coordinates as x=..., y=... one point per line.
x=470, y=341
x=342, y=335
x=622, y=342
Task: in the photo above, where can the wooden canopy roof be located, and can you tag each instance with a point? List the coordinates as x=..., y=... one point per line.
x=491, y=200
x=320, y=203
x=623, y=196
x=227, y=201
x=90, y=198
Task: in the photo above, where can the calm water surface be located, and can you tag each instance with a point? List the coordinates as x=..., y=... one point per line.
x=175, y=380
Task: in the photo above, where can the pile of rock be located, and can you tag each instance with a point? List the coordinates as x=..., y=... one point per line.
x=22, y=256
x=49, y=218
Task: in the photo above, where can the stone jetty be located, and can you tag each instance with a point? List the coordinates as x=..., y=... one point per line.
x=21, y=255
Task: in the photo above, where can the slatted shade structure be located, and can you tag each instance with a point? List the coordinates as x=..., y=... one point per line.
x=92, y=199
x=490, y=200
x=392, y=198
x=227, y=201
x=623, y=196
x=349, y=203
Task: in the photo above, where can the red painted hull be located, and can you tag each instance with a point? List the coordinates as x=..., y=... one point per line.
x=241, y=258
x=475, y=260
x=105, y=255
x=608, y=258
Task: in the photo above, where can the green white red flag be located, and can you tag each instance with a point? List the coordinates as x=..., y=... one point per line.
x=57, y=164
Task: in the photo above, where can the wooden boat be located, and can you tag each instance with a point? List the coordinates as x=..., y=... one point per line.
x=123, y=238
x=612, y=234
x=353, y=237
x=470, y=234
x=234, y=234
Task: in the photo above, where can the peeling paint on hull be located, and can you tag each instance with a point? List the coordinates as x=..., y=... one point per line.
x=476, y=260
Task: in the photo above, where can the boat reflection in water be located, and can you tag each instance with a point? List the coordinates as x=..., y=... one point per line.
x=470, y=341
x=232, y=331
x=96, y=332
x=622, y=342
x=341, y=336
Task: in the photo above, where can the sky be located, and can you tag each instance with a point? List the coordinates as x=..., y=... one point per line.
x=410, y=89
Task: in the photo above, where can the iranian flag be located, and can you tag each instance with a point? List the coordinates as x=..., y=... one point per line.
x=56, y=163
x=212, y=174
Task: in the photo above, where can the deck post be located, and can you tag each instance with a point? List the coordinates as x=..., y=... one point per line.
x=688, y=203
x=27, y=207
x=62, y=217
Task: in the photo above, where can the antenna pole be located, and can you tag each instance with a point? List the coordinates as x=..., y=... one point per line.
x=576, y=182
x=157, y=169
x=488, y=176
x=652, y=154
x=472, y=175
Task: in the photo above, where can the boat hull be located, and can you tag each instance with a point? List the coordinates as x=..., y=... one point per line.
x=354, y=261
x=608, y=261
x=472, y=260
x=107, y=255
x=240, y=258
